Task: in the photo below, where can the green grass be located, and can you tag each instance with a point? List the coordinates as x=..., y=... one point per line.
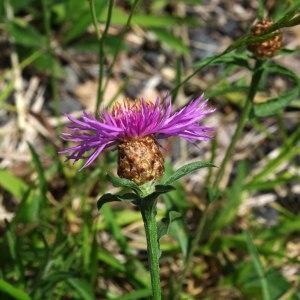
x=58, y=245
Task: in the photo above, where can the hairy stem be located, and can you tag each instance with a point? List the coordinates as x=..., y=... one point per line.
x=257, y=74
x=148, y=210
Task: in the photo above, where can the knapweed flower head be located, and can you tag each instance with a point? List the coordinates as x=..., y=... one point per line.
x=268, y=48
x=134, y=128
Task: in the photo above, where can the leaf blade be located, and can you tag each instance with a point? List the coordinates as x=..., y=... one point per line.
x=186, y=169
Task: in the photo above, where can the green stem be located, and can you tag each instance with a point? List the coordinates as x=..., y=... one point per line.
x=101, y=39
x=207, y=63
x=148, y=210
x=94, y=18
x=50, y=50
x=260, y=10
x=257, y=74
x=119, y=43
x=101, y=55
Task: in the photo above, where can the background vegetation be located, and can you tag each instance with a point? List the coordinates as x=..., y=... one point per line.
x=238, y=237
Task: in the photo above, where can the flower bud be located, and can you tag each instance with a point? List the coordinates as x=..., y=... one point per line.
x=267, y=48
x=140, y=160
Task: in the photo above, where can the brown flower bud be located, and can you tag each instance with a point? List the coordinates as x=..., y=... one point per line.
x=265, y=49
x=140, y=160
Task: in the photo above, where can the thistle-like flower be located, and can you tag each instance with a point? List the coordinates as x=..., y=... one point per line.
x=134, y=128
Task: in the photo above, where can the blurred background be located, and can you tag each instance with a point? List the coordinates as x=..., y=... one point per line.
x=71, y=56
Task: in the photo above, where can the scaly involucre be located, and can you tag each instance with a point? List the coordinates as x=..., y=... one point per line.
x=133, y=120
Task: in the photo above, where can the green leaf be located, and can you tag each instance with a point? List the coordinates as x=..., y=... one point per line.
x=170, y=40
x=78, y=18
x=258, y=267
x=42, y=182
x=290, y=18
x=278, y=284
x=48, y=63
x=176, y=200
x=272, y=106
x=120, y=18
x=7, y=90
x=114, y=221
x=239, y=59
x=188, y=169
x=83, y=288
x=234, y=197
x=265, y=185
x=75, y=9
x=18, y=5
x=106, y=198
x=14, y=185
x=139, y=294
x=90, y=44
x=24, y=34
x=12, y=248
x=164, y=188
x=122, y=182
x=289, y=150
x=286, y=51
x=29, y=209
x=77, y=28
x=118, y=198
x=159, y=190
x=112, y=262
x=163, y=226
x=12, y=291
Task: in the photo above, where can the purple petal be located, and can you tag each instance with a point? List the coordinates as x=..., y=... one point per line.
x=133, y=120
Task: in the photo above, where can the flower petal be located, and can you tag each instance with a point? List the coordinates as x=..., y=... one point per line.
x=133, y=120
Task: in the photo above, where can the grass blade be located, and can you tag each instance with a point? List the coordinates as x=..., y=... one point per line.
x=258, y=267
x=14, y=292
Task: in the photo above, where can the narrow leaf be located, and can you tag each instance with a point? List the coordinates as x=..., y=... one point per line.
x=239, y=59
x=14, y=185
x=18, y=5
x=170, y=40
x=139, y=294
x=29, y=208
x=258, y=266
x=6, y=91
x=159, y=190
x=122, y=182
x=163, y=226
x=273, y=105
x=106, y=198
x=14, y=292
x=178, y=229
x=149, y=20
x=163, y=188
x=24, y=34
x=82, y=287
x=188, y=169
x=115, y=229
x=233, y=198
x=42, y=182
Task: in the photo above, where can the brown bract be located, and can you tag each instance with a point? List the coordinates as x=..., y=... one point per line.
x=268, y=48
x=140, y=160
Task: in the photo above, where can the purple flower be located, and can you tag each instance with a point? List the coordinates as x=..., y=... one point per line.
x=133, y=121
